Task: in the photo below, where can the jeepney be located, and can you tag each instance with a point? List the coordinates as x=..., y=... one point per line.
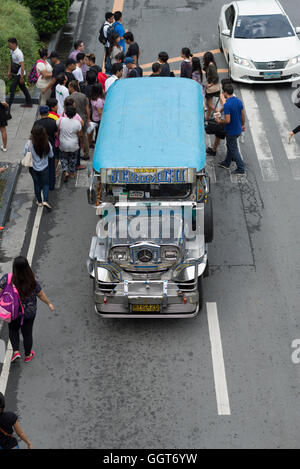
x=151, y=192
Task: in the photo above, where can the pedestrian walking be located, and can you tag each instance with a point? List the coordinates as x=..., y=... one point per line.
x=78, y=47
x=156, y=70
x=51, y=129
x=4, y=108
x=186, y=66
x=57, y=69
x=115, y=47
x=134, y=70
x=61, y=92
x=212, y=88
x=197, y=73
x=41, y=151
x=29, y=290
x=119, y=28
x=52, y=104
x=69, y=133
x=78, y=70
x=17, y=72
x=133, y=48
x=69, y=101
x=70, y=67
x=44, y=70
x=97, y=104
x=105, y=37
x=117, y=72
x=8, y=424
x=83, y=108
x=234, y=120
x=163, y=58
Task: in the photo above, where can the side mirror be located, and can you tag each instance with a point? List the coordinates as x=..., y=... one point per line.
x=297, y=29
x=226, y=32
x=91, y=195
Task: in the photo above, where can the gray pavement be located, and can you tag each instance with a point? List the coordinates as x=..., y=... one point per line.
x=136, y=384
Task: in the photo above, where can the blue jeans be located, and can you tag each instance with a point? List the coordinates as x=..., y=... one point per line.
x=41, y=183
x=233, y=152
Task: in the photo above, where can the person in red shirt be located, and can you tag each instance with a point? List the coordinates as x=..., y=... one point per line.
x=52, y=104
x=102, y=79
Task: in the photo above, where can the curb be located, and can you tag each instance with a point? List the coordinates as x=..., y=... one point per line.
x=10, y=185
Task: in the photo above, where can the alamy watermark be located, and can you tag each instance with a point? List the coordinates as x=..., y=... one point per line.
x=296, y=353
x=2, y=351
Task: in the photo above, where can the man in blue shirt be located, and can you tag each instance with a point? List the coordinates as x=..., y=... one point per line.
x=118, y=27
x=234, y=120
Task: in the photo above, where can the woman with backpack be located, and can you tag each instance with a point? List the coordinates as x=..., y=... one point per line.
x=28, y=289
x=8, y=424
x=44, y=71
x=41, y=151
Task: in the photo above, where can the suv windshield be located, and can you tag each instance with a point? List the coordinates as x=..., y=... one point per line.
x=263, y=27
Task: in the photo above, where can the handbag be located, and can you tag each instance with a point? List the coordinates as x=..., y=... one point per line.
x=15, y=68
x=27, y=161
x=212, y=127
x=7, y=114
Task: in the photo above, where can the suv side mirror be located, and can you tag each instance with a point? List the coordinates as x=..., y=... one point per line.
x=91, y=195
x=226, y=32
x=297, y=29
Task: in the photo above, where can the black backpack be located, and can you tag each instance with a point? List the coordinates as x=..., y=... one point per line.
x=102, y=38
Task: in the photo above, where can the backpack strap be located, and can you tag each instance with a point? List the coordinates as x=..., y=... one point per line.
x=9, y=279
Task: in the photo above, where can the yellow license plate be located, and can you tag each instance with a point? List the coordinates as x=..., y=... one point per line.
x=146, y=308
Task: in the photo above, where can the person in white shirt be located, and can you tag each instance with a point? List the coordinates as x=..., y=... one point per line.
x=44, y=70
x=61, y=92
x=17, y=71
x=117, y=70
x=79, y=63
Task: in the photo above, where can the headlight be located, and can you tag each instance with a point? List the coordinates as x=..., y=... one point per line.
x=170, y=254
x=119, y=254
x=294, y=61
x=244, y=62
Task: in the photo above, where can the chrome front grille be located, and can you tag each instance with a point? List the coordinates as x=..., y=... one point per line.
x=273, y=65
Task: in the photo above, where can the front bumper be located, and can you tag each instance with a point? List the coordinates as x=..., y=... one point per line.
x=253, y=75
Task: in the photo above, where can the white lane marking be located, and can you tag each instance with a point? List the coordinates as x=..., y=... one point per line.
x=218, y=360
x=262, y=147
x=5, y=368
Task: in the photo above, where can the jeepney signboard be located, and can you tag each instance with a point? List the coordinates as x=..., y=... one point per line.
x=148, y=176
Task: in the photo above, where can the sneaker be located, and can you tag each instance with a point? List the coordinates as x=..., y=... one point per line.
x=223, y=165
x=15, y=356
x=48, y=207
x=210, y=151
x=31, y=356
x=3, y=149
x=237, y=171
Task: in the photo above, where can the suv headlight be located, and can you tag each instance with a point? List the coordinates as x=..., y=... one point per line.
x=241, y=61
x=293, y=61
x=170, y=254
x=119, y=254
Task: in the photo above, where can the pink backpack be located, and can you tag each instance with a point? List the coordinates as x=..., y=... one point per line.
x=10, y=303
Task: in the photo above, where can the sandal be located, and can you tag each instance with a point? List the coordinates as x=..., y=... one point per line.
x=66, y=177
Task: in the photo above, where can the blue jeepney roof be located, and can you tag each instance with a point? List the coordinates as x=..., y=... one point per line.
x=152, y=122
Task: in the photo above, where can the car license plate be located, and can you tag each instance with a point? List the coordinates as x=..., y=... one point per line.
x=146, y=308
x=272, y=75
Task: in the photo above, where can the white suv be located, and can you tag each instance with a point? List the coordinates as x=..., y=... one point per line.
x=259, y=42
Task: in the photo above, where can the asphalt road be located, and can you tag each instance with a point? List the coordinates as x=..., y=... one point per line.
x=150, y=384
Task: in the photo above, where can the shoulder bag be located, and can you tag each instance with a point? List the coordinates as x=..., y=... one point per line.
x=27, y=161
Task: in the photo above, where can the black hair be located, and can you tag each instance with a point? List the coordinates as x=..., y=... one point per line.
x=70, y=62
x=163, y=56
x=118, y=15
x=91, y=77
x=13, y=40
x=207, y=59
x=69, y=101
x=228, y=88
x=117, y=68
x=77, y=43
x=80, y=56
x=70, y=111
x=75, y=85
x=156, y=67
x=129, y=36
x=108, y=15
x=196, y=66
x=2, y=403
x=61, y=79
x=43, y=52
x=91, y=57
x=52, y=102
x=97, y=92
x=23, y=277
x=54, y=55
x=120, y=56
x=226, y=81
x=186, y=52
